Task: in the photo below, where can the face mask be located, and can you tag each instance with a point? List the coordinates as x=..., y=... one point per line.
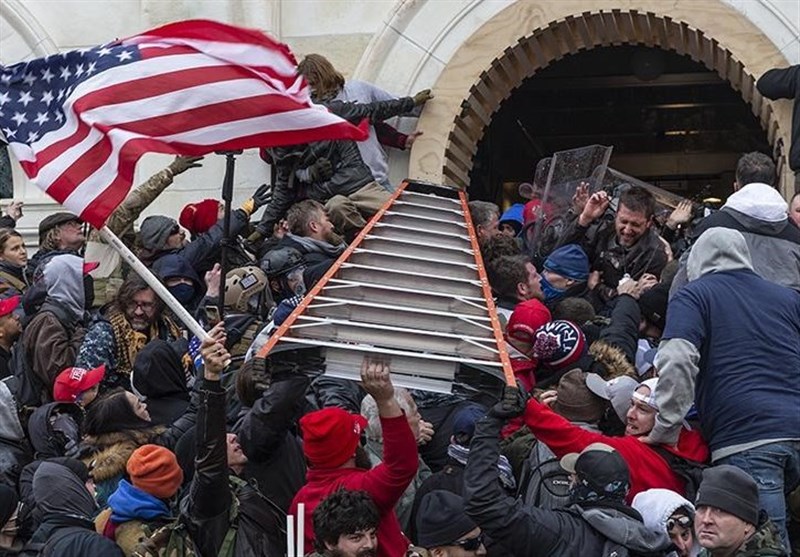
x=182, y=292
x=550, y=292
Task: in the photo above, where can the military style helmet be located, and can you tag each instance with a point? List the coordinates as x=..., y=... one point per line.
x=242, y=285
x=281, y=261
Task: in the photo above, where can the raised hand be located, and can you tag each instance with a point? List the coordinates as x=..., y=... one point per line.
x=595, y=207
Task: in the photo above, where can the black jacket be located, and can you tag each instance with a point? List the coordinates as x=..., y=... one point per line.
x=206, y=508
x=784, y=83
x=532, y=532
x=204, y=249
x=274, y=453
x=318, y=261
x=350, y=173
x=66, y=503
x=599, y=241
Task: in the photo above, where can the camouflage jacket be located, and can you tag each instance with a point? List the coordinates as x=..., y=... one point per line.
x=766, y=542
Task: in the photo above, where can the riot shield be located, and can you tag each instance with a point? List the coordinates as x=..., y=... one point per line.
x=615, y=182
x=555, y=181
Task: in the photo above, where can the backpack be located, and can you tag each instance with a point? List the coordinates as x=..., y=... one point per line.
x=28, y=389
x=45, y=549
x=688, y=470
x=174, y=539
x=543, y=482
x=30, y=392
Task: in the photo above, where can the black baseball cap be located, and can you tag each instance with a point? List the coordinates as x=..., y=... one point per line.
x=598, y=463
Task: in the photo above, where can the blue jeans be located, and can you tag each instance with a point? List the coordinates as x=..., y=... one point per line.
x=776, y=469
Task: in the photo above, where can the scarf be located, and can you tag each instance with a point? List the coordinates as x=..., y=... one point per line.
x=317, y=246
x=460, y=454
x=129, y=342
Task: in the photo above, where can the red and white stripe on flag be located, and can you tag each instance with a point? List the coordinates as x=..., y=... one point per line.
x=190, y=88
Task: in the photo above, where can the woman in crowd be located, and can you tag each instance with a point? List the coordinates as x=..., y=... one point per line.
x=13, y=263
x=115, y=426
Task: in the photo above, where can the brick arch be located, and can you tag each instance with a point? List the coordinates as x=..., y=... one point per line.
x=578, y=33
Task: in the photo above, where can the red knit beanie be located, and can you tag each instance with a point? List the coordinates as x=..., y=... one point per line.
x=155, y=470
x=330, y=436
x=200, y=217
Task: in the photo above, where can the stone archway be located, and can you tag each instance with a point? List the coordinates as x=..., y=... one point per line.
x=579, y=33
x=491, y=62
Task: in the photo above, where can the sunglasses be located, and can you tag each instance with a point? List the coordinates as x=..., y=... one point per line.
x=471, y=544
x=682, y=521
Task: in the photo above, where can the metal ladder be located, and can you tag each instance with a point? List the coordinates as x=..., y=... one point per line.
x=410, y=287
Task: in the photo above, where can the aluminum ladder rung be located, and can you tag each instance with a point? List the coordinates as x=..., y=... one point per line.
x=431, y=200
x=465, y=251
x=467, y=299
x=414, y=258
x=461, y=237
x=389, y=351
x=359, y=303
x=428, y=219
x=357, y=324
x=384, y=270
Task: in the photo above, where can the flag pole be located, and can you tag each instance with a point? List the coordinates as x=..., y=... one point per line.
x=147, y=275
x=227, y=199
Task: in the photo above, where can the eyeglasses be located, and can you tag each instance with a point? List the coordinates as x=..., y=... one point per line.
x=683, y=521
x=470, y=544
x=144, y=306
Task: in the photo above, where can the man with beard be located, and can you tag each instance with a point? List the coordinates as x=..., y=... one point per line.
x=121, y=329
x=311, y=233
x=336, y=460
x=626, y=245
x=346, y=524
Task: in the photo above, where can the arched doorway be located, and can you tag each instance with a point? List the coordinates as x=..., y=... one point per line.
x=579, y=34
x=671, y=120
x=475, y=59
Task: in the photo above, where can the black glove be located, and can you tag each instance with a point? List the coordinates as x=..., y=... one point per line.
x=262, y=196
x=320, y=171
x=511, y=405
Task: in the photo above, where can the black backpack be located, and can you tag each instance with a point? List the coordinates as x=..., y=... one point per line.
x=688, y=470
x=45, y=549
x=543, y=482
x=29, y=390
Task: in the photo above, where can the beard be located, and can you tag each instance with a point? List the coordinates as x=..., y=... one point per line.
x=333, y=238
x=362, y=459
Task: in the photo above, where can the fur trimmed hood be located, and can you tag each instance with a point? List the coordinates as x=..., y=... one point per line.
x=109, y=452
x=613, y=359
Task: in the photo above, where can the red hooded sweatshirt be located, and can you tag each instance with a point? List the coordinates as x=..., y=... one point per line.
x=385, y=483
x=648, y=469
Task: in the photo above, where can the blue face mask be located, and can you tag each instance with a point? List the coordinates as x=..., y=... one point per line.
x=550, y=292
x=182, y=292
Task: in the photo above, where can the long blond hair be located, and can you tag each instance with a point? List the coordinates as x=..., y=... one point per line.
x=322, y=77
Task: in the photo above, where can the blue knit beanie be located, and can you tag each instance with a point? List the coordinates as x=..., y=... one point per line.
x=569, y=261
x=513, y=216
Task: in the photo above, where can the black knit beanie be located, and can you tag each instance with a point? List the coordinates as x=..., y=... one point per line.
x=729, y=489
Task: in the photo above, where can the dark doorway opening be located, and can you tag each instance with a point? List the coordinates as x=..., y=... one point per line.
x=672, y=122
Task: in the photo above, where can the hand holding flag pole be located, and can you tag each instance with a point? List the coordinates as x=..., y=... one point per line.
x=78, y=121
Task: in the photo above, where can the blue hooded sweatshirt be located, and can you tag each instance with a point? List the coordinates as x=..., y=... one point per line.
x=131, y=503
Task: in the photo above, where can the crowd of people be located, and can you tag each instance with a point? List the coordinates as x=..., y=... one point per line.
x=656, y=410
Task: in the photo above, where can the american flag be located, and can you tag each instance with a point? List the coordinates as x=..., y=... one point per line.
x=79, y=121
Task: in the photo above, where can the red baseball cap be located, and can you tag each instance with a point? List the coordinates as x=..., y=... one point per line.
x=8, y=305
x=71, y=382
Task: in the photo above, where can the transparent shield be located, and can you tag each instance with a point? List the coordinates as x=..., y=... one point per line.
x=555, y=181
